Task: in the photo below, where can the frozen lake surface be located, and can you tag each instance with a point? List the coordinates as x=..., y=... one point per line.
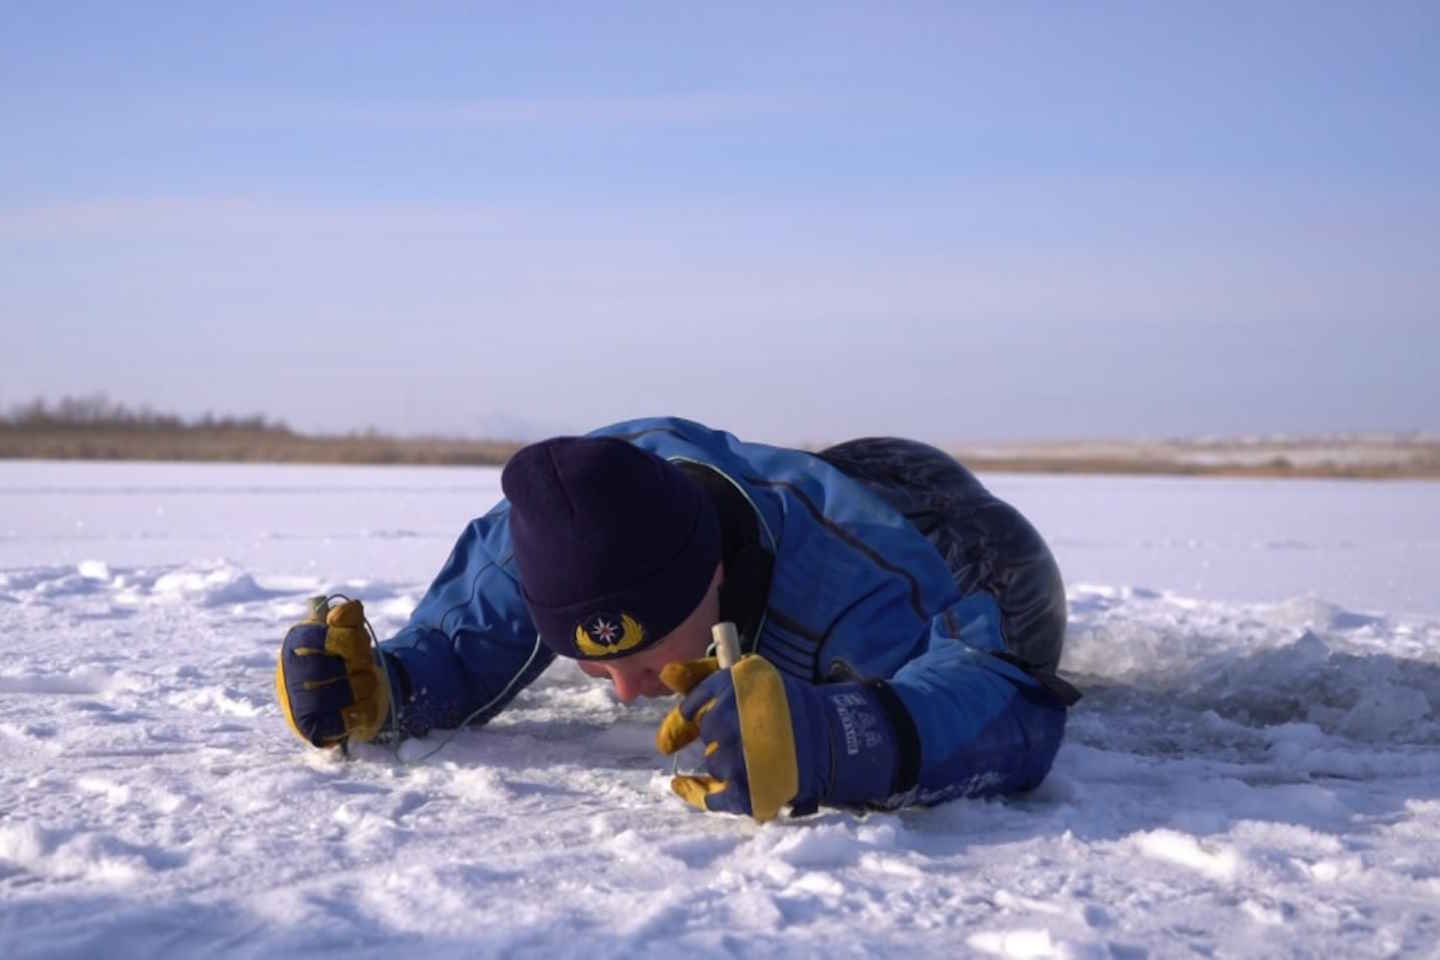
x=1254, y=770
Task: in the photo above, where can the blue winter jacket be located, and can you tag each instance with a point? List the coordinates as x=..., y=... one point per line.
x=856, y=591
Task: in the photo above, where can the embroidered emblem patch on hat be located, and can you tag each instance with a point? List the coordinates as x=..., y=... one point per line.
x=606, y=634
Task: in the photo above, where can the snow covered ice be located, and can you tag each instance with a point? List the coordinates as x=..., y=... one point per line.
x=1254, y=770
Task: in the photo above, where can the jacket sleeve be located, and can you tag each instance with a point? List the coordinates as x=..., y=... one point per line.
x=470, y=646
x=973, y=724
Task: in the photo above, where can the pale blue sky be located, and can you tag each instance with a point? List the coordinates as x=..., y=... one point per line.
x=958, y=222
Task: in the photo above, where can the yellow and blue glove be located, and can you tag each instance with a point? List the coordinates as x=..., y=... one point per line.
x=771, y=740
x=330, y=684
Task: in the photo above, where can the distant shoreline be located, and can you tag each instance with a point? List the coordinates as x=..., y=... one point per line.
x=1326, y=458
x=199, y=445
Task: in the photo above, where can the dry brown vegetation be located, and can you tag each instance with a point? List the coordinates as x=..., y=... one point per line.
x=90, y=428
x=1279, y=467
x=245, y=446
x=1368, y=456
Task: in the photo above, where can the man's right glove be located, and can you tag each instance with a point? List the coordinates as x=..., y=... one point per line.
x=772, y=740
x=328, y=680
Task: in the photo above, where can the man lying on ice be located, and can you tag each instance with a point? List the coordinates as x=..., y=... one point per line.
x=901, y=625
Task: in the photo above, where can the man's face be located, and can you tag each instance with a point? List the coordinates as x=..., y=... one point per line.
x=638, y=675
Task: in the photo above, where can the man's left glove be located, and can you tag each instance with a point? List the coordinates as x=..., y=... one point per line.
x=772, y=740
x=329, y=683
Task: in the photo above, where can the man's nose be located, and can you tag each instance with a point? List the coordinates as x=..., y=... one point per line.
x=628, y=684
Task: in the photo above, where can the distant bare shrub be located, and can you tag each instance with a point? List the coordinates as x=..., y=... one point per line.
x=96, y=411
x=91, y=427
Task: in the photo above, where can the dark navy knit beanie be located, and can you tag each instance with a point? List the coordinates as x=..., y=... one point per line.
x=616, y=546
